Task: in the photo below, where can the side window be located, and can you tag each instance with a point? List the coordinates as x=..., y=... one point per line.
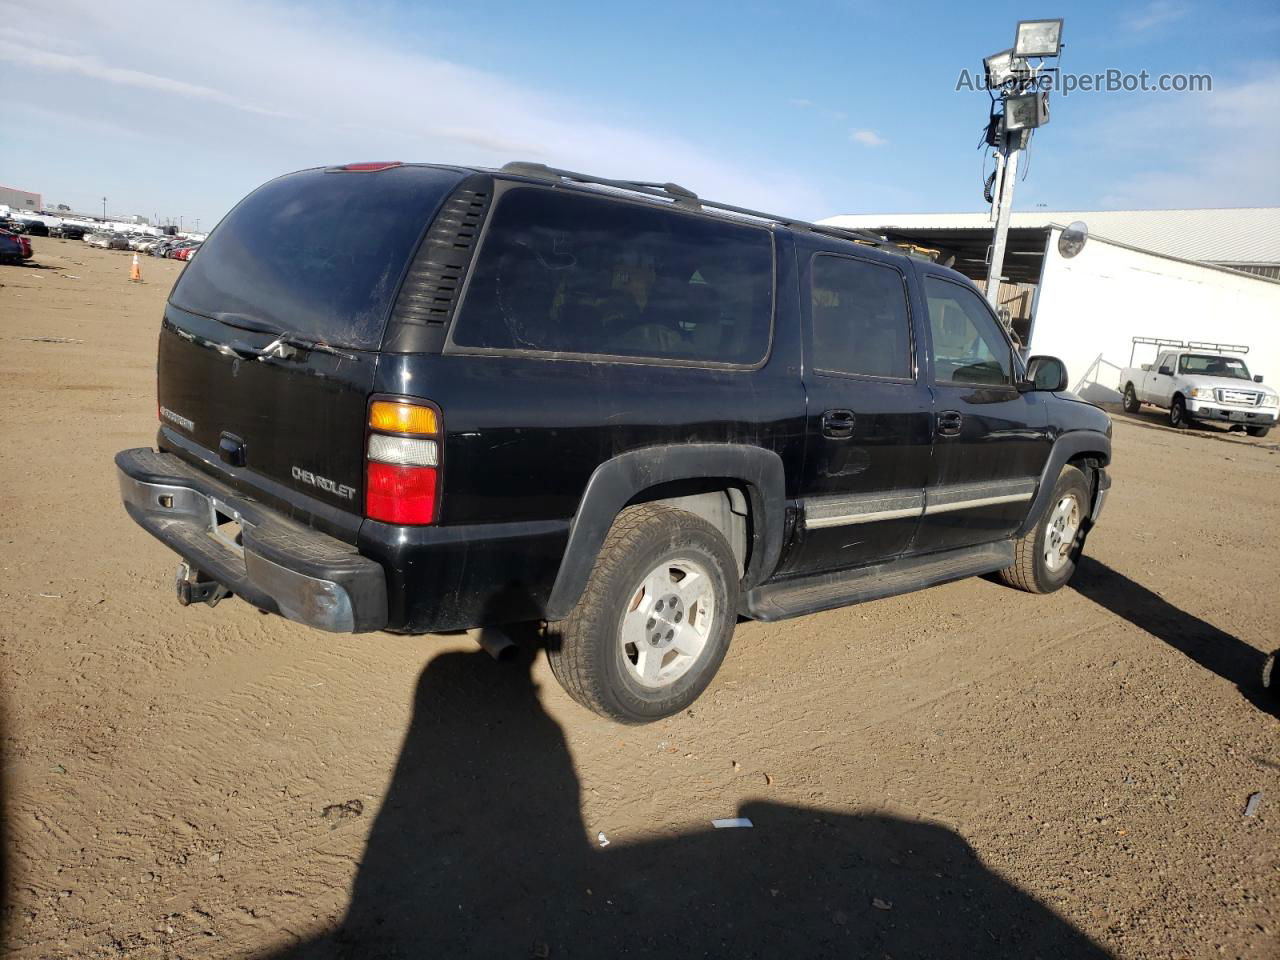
x=572, y=273
x=860, y=319
x=968, y=346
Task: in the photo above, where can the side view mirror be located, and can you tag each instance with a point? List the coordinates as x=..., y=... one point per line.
x=1146, y=366
x=1166, y=371
x=1257, y=378
x=1046, y=373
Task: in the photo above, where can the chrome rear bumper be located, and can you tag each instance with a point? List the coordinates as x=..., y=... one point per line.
x=251, y=550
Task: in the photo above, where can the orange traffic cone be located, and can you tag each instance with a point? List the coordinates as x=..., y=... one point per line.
x=136, y=273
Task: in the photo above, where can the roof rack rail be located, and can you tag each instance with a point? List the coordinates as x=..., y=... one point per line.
x=684, y=197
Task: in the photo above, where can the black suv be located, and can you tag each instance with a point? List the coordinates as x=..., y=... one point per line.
x=424, y=398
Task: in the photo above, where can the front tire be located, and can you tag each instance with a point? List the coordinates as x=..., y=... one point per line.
x=1258, y=431
x=1178, y=413
x=655, y=620
x=1131, y=402
x=1045, y=558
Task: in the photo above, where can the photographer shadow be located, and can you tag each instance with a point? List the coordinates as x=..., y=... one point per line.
x=479, y=850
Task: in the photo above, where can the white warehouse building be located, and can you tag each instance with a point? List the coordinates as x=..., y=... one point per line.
x=1203, y=275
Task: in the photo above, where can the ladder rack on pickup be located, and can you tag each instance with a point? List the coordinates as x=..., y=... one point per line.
x=1186, y=345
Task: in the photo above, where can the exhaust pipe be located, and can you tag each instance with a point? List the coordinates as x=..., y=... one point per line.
x=496, y=643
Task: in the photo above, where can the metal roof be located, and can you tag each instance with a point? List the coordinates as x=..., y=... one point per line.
x=1217, y=235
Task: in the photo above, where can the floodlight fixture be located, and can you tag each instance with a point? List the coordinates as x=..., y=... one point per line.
x=1038, y=38
x=1003, y=67
x=1026, y=112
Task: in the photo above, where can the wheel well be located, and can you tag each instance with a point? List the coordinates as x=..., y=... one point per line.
x=721, y=501
x=1089, y=465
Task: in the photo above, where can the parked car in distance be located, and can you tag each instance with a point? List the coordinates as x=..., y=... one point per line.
x=1201, y=381
x=108, y=240
x=14, y=247
x=187, y=252
x=613, y=407
x=36, y=228
x=68, y=231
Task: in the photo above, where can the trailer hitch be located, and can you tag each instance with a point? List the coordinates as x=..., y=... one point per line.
x=192, y=588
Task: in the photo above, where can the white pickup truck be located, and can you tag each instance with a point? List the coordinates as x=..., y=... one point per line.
x=1200, y=381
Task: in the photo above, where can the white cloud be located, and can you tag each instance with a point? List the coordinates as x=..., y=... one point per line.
x=1199, y=149
x=1156, y=14
x=307, y=86
x=25, y=55
x=868, y=138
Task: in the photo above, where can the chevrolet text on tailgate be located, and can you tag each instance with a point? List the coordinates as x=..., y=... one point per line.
x=416, y=398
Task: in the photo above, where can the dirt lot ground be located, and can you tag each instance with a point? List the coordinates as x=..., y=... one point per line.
x=969, y=771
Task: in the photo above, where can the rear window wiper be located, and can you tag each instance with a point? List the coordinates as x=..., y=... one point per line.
x=285, y=346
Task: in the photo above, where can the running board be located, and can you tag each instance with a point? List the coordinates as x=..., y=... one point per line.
x=823, y=591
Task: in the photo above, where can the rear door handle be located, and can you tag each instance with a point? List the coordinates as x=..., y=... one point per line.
x=949, y=423
x=838, y=424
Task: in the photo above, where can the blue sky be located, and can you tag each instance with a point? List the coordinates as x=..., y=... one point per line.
x=809, y=109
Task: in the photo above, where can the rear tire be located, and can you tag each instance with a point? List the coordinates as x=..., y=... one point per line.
x=655, y=620
x=1045, y=558
x=1258, y=431
x=1131, y=402
x=1178, y=413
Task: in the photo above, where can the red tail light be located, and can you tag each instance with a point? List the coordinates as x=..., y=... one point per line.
x=400, y=494
x=402, y=461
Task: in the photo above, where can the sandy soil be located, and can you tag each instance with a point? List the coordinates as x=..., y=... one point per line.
x=968, y=771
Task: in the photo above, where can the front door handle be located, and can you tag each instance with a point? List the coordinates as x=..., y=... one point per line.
x=838, y=424
x=949, y=423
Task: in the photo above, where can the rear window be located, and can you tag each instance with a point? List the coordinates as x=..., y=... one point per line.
x=317, y=254
x=860, y=321
x=570, y=273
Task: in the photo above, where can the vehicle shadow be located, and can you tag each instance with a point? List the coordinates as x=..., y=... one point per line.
x=480, y=850
x=1212, y=648
x=34, y=265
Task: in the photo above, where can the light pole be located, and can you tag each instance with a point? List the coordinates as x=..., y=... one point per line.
x=104, y=208
x=1024, y=103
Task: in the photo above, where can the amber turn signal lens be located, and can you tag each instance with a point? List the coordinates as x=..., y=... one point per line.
x=396, y=417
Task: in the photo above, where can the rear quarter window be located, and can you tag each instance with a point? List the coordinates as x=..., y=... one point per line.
x=315, y=253
x=579, y=275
